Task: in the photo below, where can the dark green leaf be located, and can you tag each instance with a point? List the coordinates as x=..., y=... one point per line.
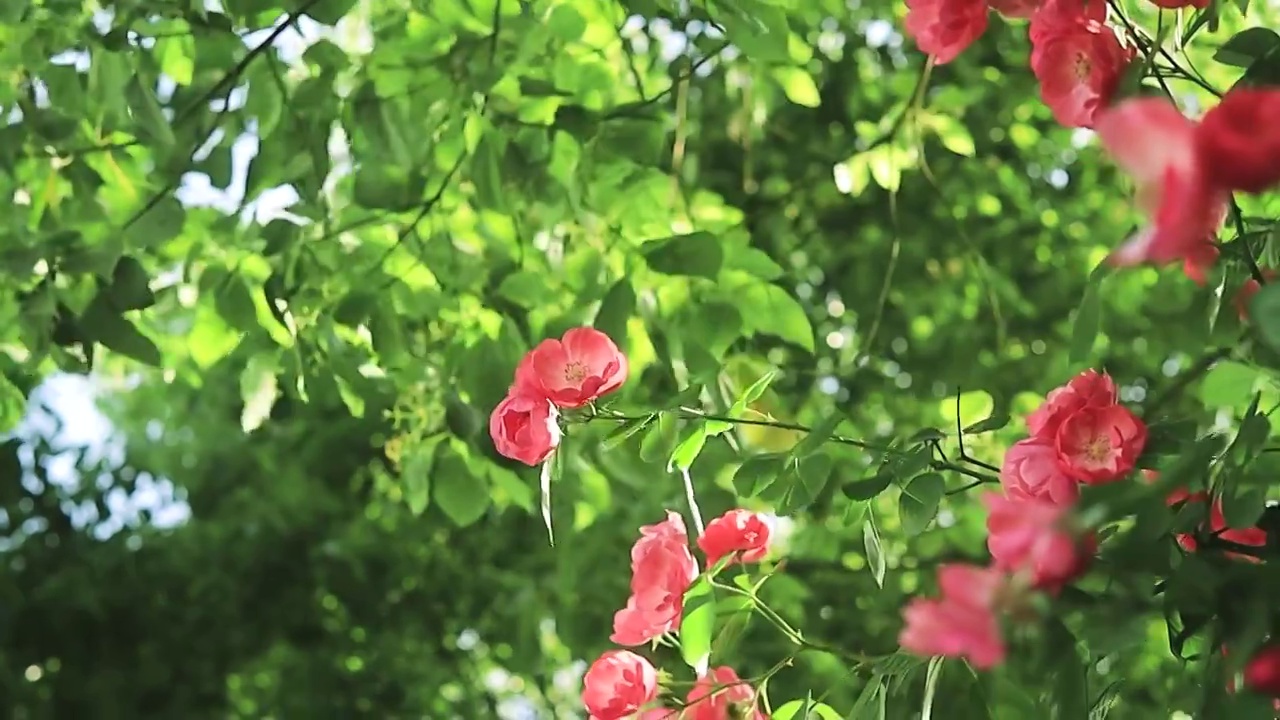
x=868, y=487
x=114, y=332
x=1265, y=311
x=1070, y=688
x=758, y=473
x=697, y=254
x=460, y=493
x=1247, y=47
x=381, y=187
x=818, y=435
x=615, y=311
x=991, y=424
x=130, y=286
x=918, y=504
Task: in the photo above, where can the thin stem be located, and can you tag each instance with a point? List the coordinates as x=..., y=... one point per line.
x=693, y=503
x=1249, y=258
x=792, y=634
x=686, y=413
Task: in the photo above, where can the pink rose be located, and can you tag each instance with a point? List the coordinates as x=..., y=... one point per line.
x=737, y=531
x=662, y=569
x=1087, y=389
x=618, y=684
x=944, y=28
x=1152, y=141
x=1079, y=65
x=962, y=623
x=721, y=695
x=1029, y=535
x=525, y=427
x=1054, y=16
x=1030, y=470
x=1239, y=141
x=574, y=370
x=1100, y=444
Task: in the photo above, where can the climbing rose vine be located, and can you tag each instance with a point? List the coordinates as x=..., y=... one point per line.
x=1068, y=488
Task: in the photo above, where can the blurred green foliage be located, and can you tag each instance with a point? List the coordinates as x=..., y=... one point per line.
x=726, y=190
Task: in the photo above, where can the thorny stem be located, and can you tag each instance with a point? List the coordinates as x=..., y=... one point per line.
x=792, y=634
x=687, y=413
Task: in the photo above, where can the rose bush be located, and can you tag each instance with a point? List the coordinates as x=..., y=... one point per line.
x=1076, y=485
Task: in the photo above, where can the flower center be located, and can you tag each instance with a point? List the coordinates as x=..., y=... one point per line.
x=574, y=372
x=1083, y=66
x=1097, y=448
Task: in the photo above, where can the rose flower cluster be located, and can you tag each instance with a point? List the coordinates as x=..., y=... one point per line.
x=1081, y=434
x=1185, y=172
x=557, y=374
x=623, y=685
x=1075, y=55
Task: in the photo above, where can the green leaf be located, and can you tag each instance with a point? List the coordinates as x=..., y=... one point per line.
x=161, y=223
x=615, y=312
x=698, y=254
x=1230, y=384
x=130, y=286
x=811, y=474
x=870, y=701
x=1086, y=322
x=235, y=304
x=566, y=23
x=626, y=431
x=383, y=187
x=486, y=173
x=1265, y=311
x=698, y=624
x=818, y=435
x=807, y=709
x=107, y=327
x=758, y=473
x=931, y=677
x=688, y=450
x=869, y=487
x=1071, y=687
x=918, y=504
x=13, y=403
x=329, y=12
x=661, y=438
x=874, y=550
x=415, y=476
x=798, y=86
x=760, y=30
x=460, y=493
x=991, y=424
x=771, y=310
x=748, y=396
x=1247, y=47
x=147, y=111
x=526, y=288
